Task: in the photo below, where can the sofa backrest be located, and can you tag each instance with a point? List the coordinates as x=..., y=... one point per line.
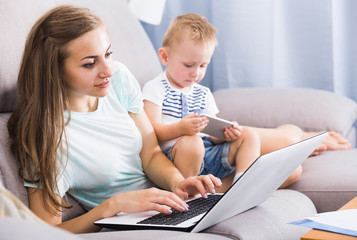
x=130, y=45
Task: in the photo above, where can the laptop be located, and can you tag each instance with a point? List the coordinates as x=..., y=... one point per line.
x=259, y=181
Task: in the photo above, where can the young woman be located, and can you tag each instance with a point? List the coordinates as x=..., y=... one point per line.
x=80, y=128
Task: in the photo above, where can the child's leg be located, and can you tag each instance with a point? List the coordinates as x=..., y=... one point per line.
x=292, y=178
x=244, y=151
x=227, y=181
x=187, y=155
x=284, y=135
x=274, y=138
x=333, y=141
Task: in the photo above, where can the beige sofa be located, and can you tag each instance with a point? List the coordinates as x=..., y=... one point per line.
x=328, y=180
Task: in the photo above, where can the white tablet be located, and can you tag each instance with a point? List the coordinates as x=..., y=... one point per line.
x=216, y=126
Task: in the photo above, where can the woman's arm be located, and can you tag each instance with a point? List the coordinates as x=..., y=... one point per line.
x=129, y=202
x=163, y=132
x=189, y=125
x=80, y=224
x=158, y=168
x=162, y=171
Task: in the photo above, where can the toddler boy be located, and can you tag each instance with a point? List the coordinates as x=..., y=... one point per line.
x=174, y=101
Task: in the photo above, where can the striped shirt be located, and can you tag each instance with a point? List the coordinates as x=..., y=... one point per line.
x=199, y=99
x=172, y=104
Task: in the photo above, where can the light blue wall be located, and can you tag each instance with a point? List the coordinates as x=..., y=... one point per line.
x=276, y=43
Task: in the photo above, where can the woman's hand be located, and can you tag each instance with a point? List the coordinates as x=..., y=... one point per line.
x=233, y=133
x=192, y=186
x=192, y=124
x=144, y=200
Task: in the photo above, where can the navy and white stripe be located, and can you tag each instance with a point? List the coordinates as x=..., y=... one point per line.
x=172, y=102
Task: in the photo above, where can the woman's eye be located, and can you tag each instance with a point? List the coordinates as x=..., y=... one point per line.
x=108, y=54
x=89, y=65
x=188, y=65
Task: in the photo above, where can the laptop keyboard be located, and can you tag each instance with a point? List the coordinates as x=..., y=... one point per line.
x=196, y=207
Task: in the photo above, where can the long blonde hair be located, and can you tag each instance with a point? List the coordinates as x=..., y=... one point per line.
x=37, y=125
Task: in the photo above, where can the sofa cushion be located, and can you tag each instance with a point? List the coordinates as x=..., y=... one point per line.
x=151, y=234
x=20, y=229
x=9, y=174
x=270, y=219
x=310, y=109
x=329, y=179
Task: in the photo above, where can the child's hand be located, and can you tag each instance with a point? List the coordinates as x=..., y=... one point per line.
x=233, y=133
x=192, y=124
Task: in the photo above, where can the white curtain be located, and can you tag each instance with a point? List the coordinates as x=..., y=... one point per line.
x=276, y=43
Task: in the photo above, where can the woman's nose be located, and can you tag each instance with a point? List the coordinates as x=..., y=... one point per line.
x=107, y=70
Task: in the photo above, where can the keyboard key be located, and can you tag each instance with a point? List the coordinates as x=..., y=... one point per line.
x=196, y=207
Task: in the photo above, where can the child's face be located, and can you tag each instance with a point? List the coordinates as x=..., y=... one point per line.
x=186, y=63
x=88, y=68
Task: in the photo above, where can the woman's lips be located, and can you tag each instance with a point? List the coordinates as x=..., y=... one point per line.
x=103, y=84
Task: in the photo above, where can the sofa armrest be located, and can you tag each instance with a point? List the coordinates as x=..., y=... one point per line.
x=310, y=109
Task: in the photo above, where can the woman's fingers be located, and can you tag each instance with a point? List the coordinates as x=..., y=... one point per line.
x=210, y=182
x=168, y=199
x=150, y=199
x=199, y=185
x=216, y=181
x=163, y=201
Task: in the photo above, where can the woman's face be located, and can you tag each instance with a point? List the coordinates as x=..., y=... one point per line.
x=88, y=69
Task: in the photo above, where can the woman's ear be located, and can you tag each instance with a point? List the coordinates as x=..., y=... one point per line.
x=163, y=56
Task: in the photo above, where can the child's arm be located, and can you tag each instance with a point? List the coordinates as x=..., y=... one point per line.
x=189, y=125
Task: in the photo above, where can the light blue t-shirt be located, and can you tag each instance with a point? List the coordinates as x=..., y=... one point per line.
x=104, y=146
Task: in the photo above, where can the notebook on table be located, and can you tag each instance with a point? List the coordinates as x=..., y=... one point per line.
x=259, y=181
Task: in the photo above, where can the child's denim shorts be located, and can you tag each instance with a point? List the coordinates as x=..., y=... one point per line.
x=215, y=161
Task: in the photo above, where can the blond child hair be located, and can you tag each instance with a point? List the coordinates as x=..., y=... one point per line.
x=196, y=26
